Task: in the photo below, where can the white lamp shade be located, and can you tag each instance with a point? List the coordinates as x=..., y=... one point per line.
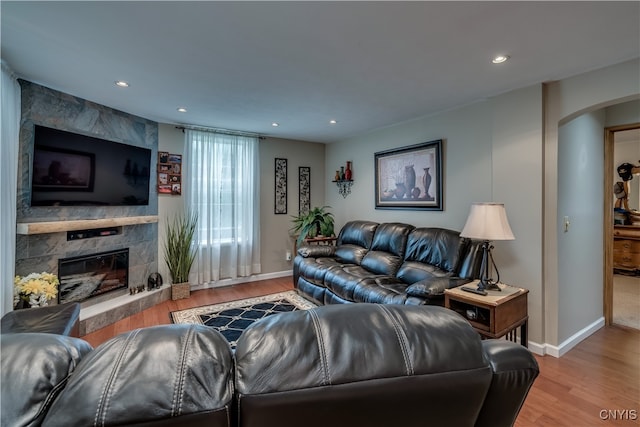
x=487, y=221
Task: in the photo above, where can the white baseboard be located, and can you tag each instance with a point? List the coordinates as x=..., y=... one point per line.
x=539, y=349
x=254, y=278
x=569, y=343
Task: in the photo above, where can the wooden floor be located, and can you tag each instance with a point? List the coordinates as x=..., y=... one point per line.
x=599, y=378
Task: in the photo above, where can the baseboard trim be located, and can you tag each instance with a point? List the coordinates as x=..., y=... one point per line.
x=254, y=278
x=569, y=343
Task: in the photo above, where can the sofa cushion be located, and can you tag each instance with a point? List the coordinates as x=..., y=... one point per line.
x=177, y=372
x=412, y=271
x=434, y=286
x=351, y=254
x=387, y=249
x=314, y=269
x=343, y=281
x=381, y=290
x=354, y=240
x=436, y=246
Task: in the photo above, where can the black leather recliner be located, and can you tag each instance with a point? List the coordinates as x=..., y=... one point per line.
x=345, y=365
x=388, y=263
x=377, y=365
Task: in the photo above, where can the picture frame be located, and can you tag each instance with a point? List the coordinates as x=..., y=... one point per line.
x=169, y=173
x=280, y=186
x=58, y=169
x=304, y=189
x=409, y=177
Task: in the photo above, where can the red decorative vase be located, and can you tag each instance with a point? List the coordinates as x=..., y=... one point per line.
x=347, y=172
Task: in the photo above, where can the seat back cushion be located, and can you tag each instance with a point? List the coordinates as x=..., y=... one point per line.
x=151, y=375
x=354, y=240
x=360, y=365
x=436, y=247
x=387, y=249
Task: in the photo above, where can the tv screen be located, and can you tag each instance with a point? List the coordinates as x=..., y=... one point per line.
x=70, y=169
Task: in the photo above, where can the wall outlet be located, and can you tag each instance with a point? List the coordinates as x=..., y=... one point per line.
x=287, y=256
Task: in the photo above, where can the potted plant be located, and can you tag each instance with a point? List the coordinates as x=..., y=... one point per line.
x=180, y=252
x=316, y=222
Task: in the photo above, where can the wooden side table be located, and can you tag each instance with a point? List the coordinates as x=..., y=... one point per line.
x=495, y=315
x=315, y=241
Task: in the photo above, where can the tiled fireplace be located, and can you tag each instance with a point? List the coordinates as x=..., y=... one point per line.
x=45, y=234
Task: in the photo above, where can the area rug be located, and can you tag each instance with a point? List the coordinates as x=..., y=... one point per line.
x=231, y=318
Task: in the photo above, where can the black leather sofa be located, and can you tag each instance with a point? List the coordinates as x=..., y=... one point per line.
x=368, y=365
x=388, y=263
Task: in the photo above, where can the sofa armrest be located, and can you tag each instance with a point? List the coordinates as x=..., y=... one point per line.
x=514, y=371
x=34, y=368
x=61, y=319
x=434, y=286
x=317, y=251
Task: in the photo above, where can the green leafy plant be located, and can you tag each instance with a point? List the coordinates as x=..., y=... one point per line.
x=179, y=250
x=314, y=223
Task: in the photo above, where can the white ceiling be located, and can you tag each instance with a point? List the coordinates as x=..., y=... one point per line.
x=243, y=65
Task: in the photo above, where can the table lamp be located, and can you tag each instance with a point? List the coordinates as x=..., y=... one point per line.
x=487, y=222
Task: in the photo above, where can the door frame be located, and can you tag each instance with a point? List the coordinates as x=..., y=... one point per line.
x=609, y=134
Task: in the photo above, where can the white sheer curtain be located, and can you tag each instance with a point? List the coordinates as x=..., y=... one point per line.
x=10, y=133
x=223, y=186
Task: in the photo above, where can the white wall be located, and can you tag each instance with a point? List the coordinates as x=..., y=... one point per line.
x=580, y=197
x=492, y=152
x=172, y=140
x=276, y=238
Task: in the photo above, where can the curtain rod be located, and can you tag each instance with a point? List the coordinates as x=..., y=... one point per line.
x=219, y=130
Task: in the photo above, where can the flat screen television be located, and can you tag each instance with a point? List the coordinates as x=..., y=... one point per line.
x=70, y=169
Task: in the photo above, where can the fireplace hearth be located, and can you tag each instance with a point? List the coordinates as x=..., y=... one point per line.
x=87, y=276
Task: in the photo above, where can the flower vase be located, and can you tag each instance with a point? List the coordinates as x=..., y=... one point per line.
x=341, y=172
x=347, y=172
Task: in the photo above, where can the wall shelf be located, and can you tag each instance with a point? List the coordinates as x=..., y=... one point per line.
x=344, y=186
x=27, y=228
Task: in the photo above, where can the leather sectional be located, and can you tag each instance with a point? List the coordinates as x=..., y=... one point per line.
x=386, y=263
x=351, y=365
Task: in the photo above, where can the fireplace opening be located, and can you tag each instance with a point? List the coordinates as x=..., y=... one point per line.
x=87, y=276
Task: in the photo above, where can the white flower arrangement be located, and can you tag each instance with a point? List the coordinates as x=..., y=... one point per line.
x=37, y=289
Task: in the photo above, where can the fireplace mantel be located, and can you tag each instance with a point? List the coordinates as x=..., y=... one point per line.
x=27, y=228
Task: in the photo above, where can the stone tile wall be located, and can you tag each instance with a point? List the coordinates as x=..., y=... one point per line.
x=40, y=252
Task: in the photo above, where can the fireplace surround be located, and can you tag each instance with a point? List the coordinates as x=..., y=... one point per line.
x=42, y=237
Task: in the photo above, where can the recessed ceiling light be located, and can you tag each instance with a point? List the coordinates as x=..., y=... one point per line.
x=500, y=59
x=121, y=83
x=333, y=122
x=182, y=109
x=275, y=125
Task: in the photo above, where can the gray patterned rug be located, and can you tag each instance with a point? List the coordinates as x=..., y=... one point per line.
x=231, y=318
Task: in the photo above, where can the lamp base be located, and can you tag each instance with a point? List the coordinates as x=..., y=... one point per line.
x=474, y=290
x=489, y=285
